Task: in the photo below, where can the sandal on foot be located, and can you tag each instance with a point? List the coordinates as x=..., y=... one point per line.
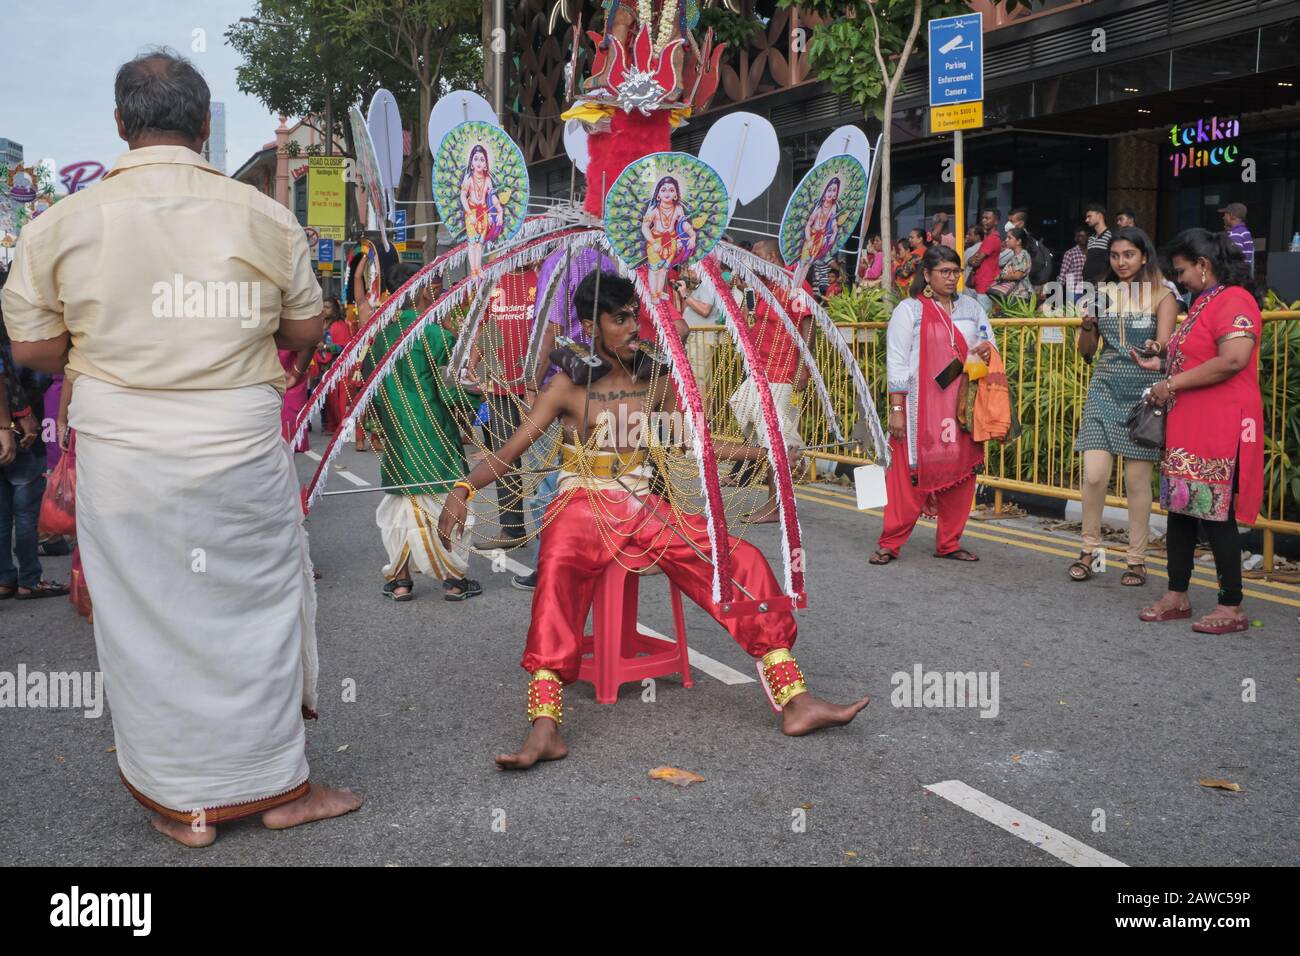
x=392, y=587
x=1135, y=576
x=465, y=589
x=882, y=556
x=961, y=554
x=1081, y=570
x=1153, y=616
x=46, y=589
x=1221, y=625
x=8, y=591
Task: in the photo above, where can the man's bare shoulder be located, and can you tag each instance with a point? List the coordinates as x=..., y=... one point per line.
x=561, y=388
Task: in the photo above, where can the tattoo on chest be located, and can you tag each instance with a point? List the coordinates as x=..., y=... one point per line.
x=617, y=396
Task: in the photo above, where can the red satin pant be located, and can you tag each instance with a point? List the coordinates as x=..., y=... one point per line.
x=577, y=547
x=906, y=504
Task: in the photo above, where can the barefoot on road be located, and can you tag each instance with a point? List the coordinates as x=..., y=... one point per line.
x=184, y=833
x=542, y=743
x=320, y=803
x=805, y=713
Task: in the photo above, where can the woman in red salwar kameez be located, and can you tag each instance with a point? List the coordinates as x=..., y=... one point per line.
x=1214, y=432
x=336, y=403
x=933, y=461
x=295, y=392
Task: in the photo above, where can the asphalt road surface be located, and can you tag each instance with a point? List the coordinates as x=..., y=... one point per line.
x=1103, y=725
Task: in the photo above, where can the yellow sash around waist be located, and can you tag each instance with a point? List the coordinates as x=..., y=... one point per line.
x=600, y=464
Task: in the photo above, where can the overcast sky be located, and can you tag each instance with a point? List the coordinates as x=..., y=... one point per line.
x=60, y=57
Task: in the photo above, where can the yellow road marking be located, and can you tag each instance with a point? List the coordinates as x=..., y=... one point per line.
x=1046, y=538
x=805, y=494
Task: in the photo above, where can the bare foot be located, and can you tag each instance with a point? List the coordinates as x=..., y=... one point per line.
x=183, y=833
x=320, y=803
x=542, y=743
x=805, y=713
x=764, y=514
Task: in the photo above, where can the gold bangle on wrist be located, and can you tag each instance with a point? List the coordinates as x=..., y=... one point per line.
x=470, y=490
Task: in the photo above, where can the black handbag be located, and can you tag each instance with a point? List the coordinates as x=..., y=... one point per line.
x=1146, y=425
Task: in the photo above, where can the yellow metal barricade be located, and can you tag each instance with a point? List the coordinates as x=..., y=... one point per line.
x=1049, y=382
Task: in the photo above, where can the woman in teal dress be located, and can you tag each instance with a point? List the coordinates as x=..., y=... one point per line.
x=1132, y=307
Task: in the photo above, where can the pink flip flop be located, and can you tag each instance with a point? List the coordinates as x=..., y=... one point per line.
x=1169, y=614
x=1227, y=627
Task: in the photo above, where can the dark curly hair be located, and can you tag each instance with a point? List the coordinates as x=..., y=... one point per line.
x=1229, y=265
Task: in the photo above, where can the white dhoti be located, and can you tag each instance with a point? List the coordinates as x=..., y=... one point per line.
x=191, y=532
x=409, y=528
x=748, y=410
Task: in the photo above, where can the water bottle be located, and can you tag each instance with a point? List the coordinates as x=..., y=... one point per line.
x=1295, y=242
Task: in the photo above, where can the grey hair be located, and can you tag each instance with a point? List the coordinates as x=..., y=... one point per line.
x=161, y=92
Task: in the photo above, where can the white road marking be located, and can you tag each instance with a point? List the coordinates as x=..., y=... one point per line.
x=1048, y=839
x=701, y=662
x=348, y=476
x=313, y=455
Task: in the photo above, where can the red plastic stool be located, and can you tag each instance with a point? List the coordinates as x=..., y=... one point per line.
x=616, y=643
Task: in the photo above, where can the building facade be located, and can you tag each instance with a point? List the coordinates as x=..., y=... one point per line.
x=11, y=153
x=214, y=150
x=1084, y=101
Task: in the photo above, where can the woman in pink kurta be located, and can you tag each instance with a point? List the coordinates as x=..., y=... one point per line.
x=1214, y=432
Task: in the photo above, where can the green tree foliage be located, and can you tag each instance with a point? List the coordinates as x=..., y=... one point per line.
x=730, y=28
x=307, y=54
x=862, y=52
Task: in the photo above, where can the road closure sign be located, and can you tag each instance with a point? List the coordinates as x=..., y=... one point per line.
x=957, y=60
x=326, y=196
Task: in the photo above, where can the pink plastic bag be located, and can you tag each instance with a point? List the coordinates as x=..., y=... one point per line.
x=59, y=506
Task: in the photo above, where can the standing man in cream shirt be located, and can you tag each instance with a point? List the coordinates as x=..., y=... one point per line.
x=164, y=290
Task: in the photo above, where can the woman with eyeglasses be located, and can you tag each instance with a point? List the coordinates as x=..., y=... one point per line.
x=933, y=462
x=1214, y=429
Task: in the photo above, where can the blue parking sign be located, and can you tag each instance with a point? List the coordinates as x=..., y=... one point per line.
x=399, y=222
x=325, y=250
x=957, y=59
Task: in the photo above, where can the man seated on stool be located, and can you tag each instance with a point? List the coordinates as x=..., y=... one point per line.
x=604, y=503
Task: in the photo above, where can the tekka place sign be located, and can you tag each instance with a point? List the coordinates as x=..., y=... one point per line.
x=1204, y=143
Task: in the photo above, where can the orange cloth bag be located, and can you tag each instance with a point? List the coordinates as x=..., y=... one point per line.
x=992, y=418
